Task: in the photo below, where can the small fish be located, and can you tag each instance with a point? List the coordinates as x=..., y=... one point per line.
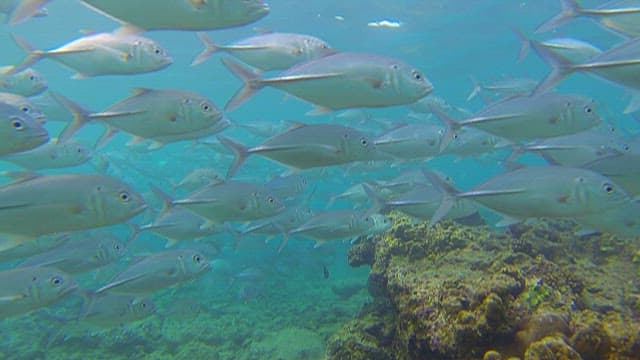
x=528, y=117
x=30, y=288
x=534, y=192
x=112, y=310
x=288, y=187
x=622, y=16
x=157, y=271
x=232, y=201
x=37, y=246
x=411, y=141
x=270, y=51
x=502, y=88
x=52, y=155
x=19, y=11
x=52, y=108
x=176, y=223
x=573, y=51
x=181, y=15
x=162, y=116
x=307, y=146
x=470, y=141
x=27, y=82
x=19, y=131
x=325, y=272
x=36, y=205
x=623, y=167
x=423, y=201
x=622, y=220
x=620, y=65
x=198, y=178
x=80, y=255
x=280, y=224
x=102, y=54
x=340, y=81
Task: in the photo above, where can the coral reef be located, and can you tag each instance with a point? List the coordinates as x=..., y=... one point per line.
x=536, y=291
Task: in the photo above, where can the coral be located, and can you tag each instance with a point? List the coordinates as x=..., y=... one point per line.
x=536, y=291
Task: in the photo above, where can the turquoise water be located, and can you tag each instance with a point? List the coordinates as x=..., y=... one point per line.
x=287, y=306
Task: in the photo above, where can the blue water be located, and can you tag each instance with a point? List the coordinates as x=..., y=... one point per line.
x=220, y=315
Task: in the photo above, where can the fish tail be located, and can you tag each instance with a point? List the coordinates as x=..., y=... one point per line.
x=284, y=241
x=240, y=151
x=209, y=49
x=560, y=67
x=525, y=44
x=80, y=116
x=135, y=230
x=33, y=55
x=569, y=10
x=167, y=201
x=378, y=203
x=252, y=83
x=451, y=124
x=449, y=195
x=25, y=10
x=477, y=87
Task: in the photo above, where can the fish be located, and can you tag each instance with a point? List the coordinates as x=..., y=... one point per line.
x=342, y=225
x=270, y=51
x=307, y=146
x=411, y=141
x=101, y=54
x=325, y=272
x=30, y=288
x=23, y=104
x=19, y=11
x=80, y=255
x=572, y=50
x=539, y=191
x=35, y=205
x=622, y=220
x=280, y=224
x=621, y=166
x=340, y=81
x=423, y=201
x=288, y=187
x=37, y=246
x=619, y=65
x=232, y=201
x=529, y=117
x=162, y=116
x=52, y=155
x=621, y=16
x=19, y=131
x=157, y=271
x=198, y=178
x=181, y=14
x=175, y=223
x=112, y=310
x=507, y=87
x=470, y=141
x=28, y=82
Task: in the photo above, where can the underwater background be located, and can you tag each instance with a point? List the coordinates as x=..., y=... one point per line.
x=451, y=291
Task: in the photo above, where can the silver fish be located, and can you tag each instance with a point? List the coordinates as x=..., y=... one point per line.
x=502, y=88
x=158, y=115
x=423, y=201
x=620, y=65
x=37, y=246
x=411, y=141
x=198, y=178
x=470, y=141
x=26, y=289
x=52, y=155
x=340, y=81
x=550, y=191
x=181, y=14
x=27, y=82
x=18, y=131
x=622, y=220
x=80, y=256
x=342, y=225
x=102, y=54
x=176, y=223
x=271, y=51
x=280, y=224
x=19, y=11
x=623, y=167
x=157, y=271
x=232, y=201
x=23, y=104
x=288, y=187
x=529, y=117
x=36, y=205
x=622, y=16
x=113, y=310
x=308, y=146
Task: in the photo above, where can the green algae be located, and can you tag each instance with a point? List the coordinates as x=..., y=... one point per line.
x=457, y=292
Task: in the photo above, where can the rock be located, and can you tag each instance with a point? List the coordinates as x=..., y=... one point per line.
x=551, y=348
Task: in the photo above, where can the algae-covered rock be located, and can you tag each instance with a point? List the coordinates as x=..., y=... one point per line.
x=458, y=292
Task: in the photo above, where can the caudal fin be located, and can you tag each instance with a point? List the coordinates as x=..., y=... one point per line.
x=240, y=151
x=80, y=116
x=251, y=80
x=24, y=10
x=33, y=55
x=451, y=124
x=570, y=9
x=209, y=49
x=449, y=195
x=560, y=67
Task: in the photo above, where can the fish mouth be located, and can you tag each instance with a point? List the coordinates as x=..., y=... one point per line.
x=71, y=289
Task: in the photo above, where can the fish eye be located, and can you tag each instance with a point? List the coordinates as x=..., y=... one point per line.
x=395, y=67
x=205, y=107
x=17, y=124
x=197, y=259
x=364, y=142
x=271, y=200
x=124, y=196
x=626, y=147
x=116, y=246
x=32, y=77
x=608, y=188
x=587, y=109
x=416, y=75
x=56, y=280
x=25, y=109
x=157, y=51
